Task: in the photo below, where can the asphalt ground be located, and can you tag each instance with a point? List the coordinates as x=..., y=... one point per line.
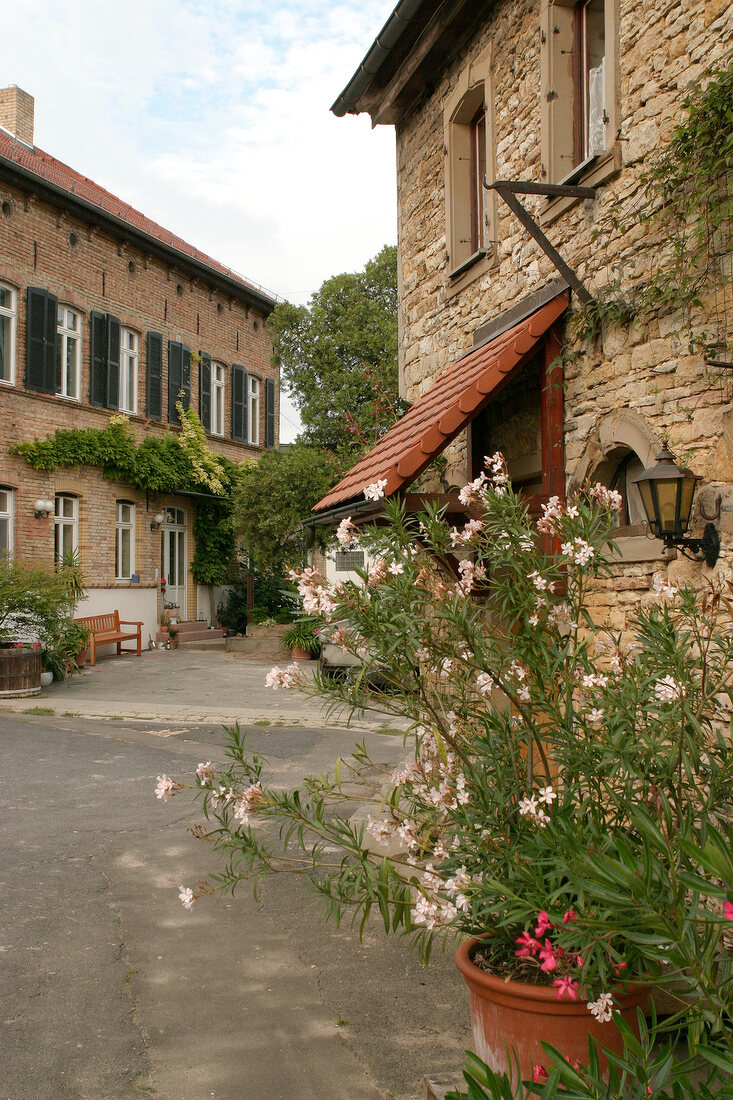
x=109, y=988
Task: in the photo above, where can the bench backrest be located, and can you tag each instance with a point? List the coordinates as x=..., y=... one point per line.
x=102, y=624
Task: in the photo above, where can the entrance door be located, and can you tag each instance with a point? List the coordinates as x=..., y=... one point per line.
x=173, y=557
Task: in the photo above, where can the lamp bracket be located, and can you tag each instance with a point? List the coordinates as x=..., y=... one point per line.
x=707, y=548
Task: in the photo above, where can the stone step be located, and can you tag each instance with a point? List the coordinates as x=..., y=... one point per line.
x=217, y=642
x=257, y=648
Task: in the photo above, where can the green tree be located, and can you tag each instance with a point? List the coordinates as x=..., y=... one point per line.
x=338, y=356
x=273, y=497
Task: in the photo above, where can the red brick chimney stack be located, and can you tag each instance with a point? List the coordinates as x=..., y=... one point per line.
x=16, y=113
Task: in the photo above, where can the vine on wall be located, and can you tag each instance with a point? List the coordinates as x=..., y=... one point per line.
x=164, y=464
x=686, y=214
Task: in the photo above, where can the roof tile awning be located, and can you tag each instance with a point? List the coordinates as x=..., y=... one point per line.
x=454, y=399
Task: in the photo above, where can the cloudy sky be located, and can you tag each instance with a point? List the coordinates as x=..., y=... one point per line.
x=212, y=117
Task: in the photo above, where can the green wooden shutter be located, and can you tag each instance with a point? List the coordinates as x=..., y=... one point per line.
x=205, y=390
x=113, y=362
x=269, y=413
x=175, y=379
x=185, y=376
x=42, y=321
x=98, y=359
x=240, y=379
x=155, y=375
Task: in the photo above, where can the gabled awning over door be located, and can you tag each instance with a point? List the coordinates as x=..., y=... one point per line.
x=454, y=399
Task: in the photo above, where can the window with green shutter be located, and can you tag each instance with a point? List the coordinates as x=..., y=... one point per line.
x=154, y=356
x=269, y=413
x=205, y=390
x=179, y=379
x=41, y=338
x=240, y=379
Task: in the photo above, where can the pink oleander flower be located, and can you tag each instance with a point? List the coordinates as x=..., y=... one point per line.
x=346, y=533
x=528, y=946
x=468, y=492
x=539, y=1075
x=608, y=498
x=375, y=491
x=166, y=787
x=728, y=910
x=602, y=1009
x=543, y=923
x=282, y=677
x=247, y=802
x=549, y=955
x=205, y=773
x=668, y=689
x=565, y=986
x=570, y=914
x=186, y=894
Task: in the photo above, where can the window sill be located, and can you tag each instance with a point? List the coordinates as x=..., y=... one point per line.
x=592, y=173
x=638, y=547
x=472, y=268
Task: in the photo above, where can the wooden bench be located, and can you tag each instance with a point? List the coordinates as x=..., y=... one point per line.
x=105, y=629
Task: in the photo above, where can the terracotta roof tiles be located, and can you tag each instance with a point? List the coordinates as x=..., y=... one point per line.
x=456, y=396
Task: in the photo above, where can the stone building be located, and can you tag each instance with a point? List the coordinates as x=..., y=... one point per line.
x=495, y=349
x=103, y=312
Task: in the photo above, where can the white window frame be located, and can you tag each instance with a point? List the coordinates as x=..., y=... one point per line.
x=7, y=517
x=218, y=397
x=69, y=339
x=10, y=313
x=122, y=527
x=62, y=521
x=129, y=360
x=253, y=410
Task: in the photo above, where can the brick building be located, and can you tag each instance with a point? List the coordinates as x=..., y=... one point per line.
x=104, y=312
x=576, y=93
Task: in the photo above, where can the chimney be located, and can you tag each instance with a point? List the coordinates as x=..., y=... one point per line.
x=16, y=113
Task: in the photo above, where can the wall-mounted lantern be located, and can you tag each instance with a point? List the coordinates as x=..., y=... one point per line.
x=155, y=523
x=666, y=493
x=43, y=508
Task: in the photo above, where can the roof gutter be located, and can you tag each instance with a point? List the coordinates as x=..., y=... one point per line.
x=380, y=50
x=16, y=172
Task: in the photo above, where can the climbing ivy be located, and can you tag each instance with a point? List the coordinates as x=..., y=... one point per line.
x=686, y=203
x=162, y=464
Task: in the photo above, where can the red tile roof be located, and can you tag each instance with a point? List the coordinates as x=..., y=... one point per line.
x=453, y=400
x=60, y=175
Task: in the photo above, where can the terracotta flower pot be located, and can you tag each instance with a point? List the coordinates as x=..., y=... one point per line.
x=506, y=1015
x=299, y=654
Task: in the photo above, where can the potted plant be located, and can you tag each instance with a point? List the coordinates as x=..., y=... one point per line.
x=537, y=740
x=33, y=602
x=52, y=666
x=301, y=639
x=173, y=636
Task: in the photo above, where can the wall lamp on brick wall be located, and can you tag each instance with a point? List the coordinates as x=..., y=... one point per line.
x=666, y=493
x=155, y=523
x=43, y=508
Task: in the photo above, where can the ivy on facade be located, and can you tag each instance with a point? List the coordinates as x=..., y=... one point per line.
x=164, y=464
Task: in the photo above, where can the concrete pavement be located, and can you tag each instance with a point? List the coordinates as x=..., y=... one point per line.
x=108, y=988
x=184, y=686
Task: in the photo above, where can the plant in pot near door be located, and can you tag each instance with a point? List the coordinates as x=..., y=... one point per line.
x=536, y=737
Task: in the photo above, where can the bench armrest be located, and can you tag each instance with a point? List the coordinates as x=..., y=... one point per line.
x=130, y=622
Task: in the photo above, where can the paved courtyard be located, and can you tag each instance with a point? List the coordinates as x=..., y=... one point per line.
x=109, y=988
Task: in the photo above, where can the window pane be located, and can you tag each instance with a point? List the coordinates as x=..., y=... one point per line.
x=5, y=348
x=67, y=539
x=67, y=506
x=4, y=501
x=125, y=552
x=4, y=535
x=6, y=298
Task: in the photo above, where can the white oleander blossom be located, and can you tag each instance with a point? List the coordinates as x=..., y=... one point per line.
x=205, y=773
x=282, y=677
x=602, y=1009
x=346, y=534
x=166, y=787
x=187, y=897
x=668, y=689
x=607, y=498
x=470, y=492
x=375, y=491
x=247, y=802
x=663, y=589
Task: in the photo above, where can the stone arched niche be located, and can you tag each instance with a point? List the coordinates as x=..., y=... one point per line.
x=620, y=448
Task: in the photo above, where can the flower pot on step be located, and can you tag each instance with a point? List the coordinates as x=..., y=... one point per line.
x=511, y=1016
x=299, y=654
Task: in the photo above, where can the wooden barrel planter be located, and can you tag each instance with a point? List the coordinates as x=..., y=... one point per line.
x=20, y=671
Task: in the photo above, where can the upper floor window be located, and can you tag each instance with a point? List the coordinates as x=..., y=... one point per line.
x=218, y=387
x=469, y=144
x=124, y=540
x=65, y=526
x=68, y=352
x=129, y=351
x=8, y=314
x=253, y=410
x=6, y=522
x=579, y=55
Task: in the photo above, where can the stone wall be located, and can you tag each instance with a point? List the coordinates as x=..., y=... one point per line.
x=645, y=368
